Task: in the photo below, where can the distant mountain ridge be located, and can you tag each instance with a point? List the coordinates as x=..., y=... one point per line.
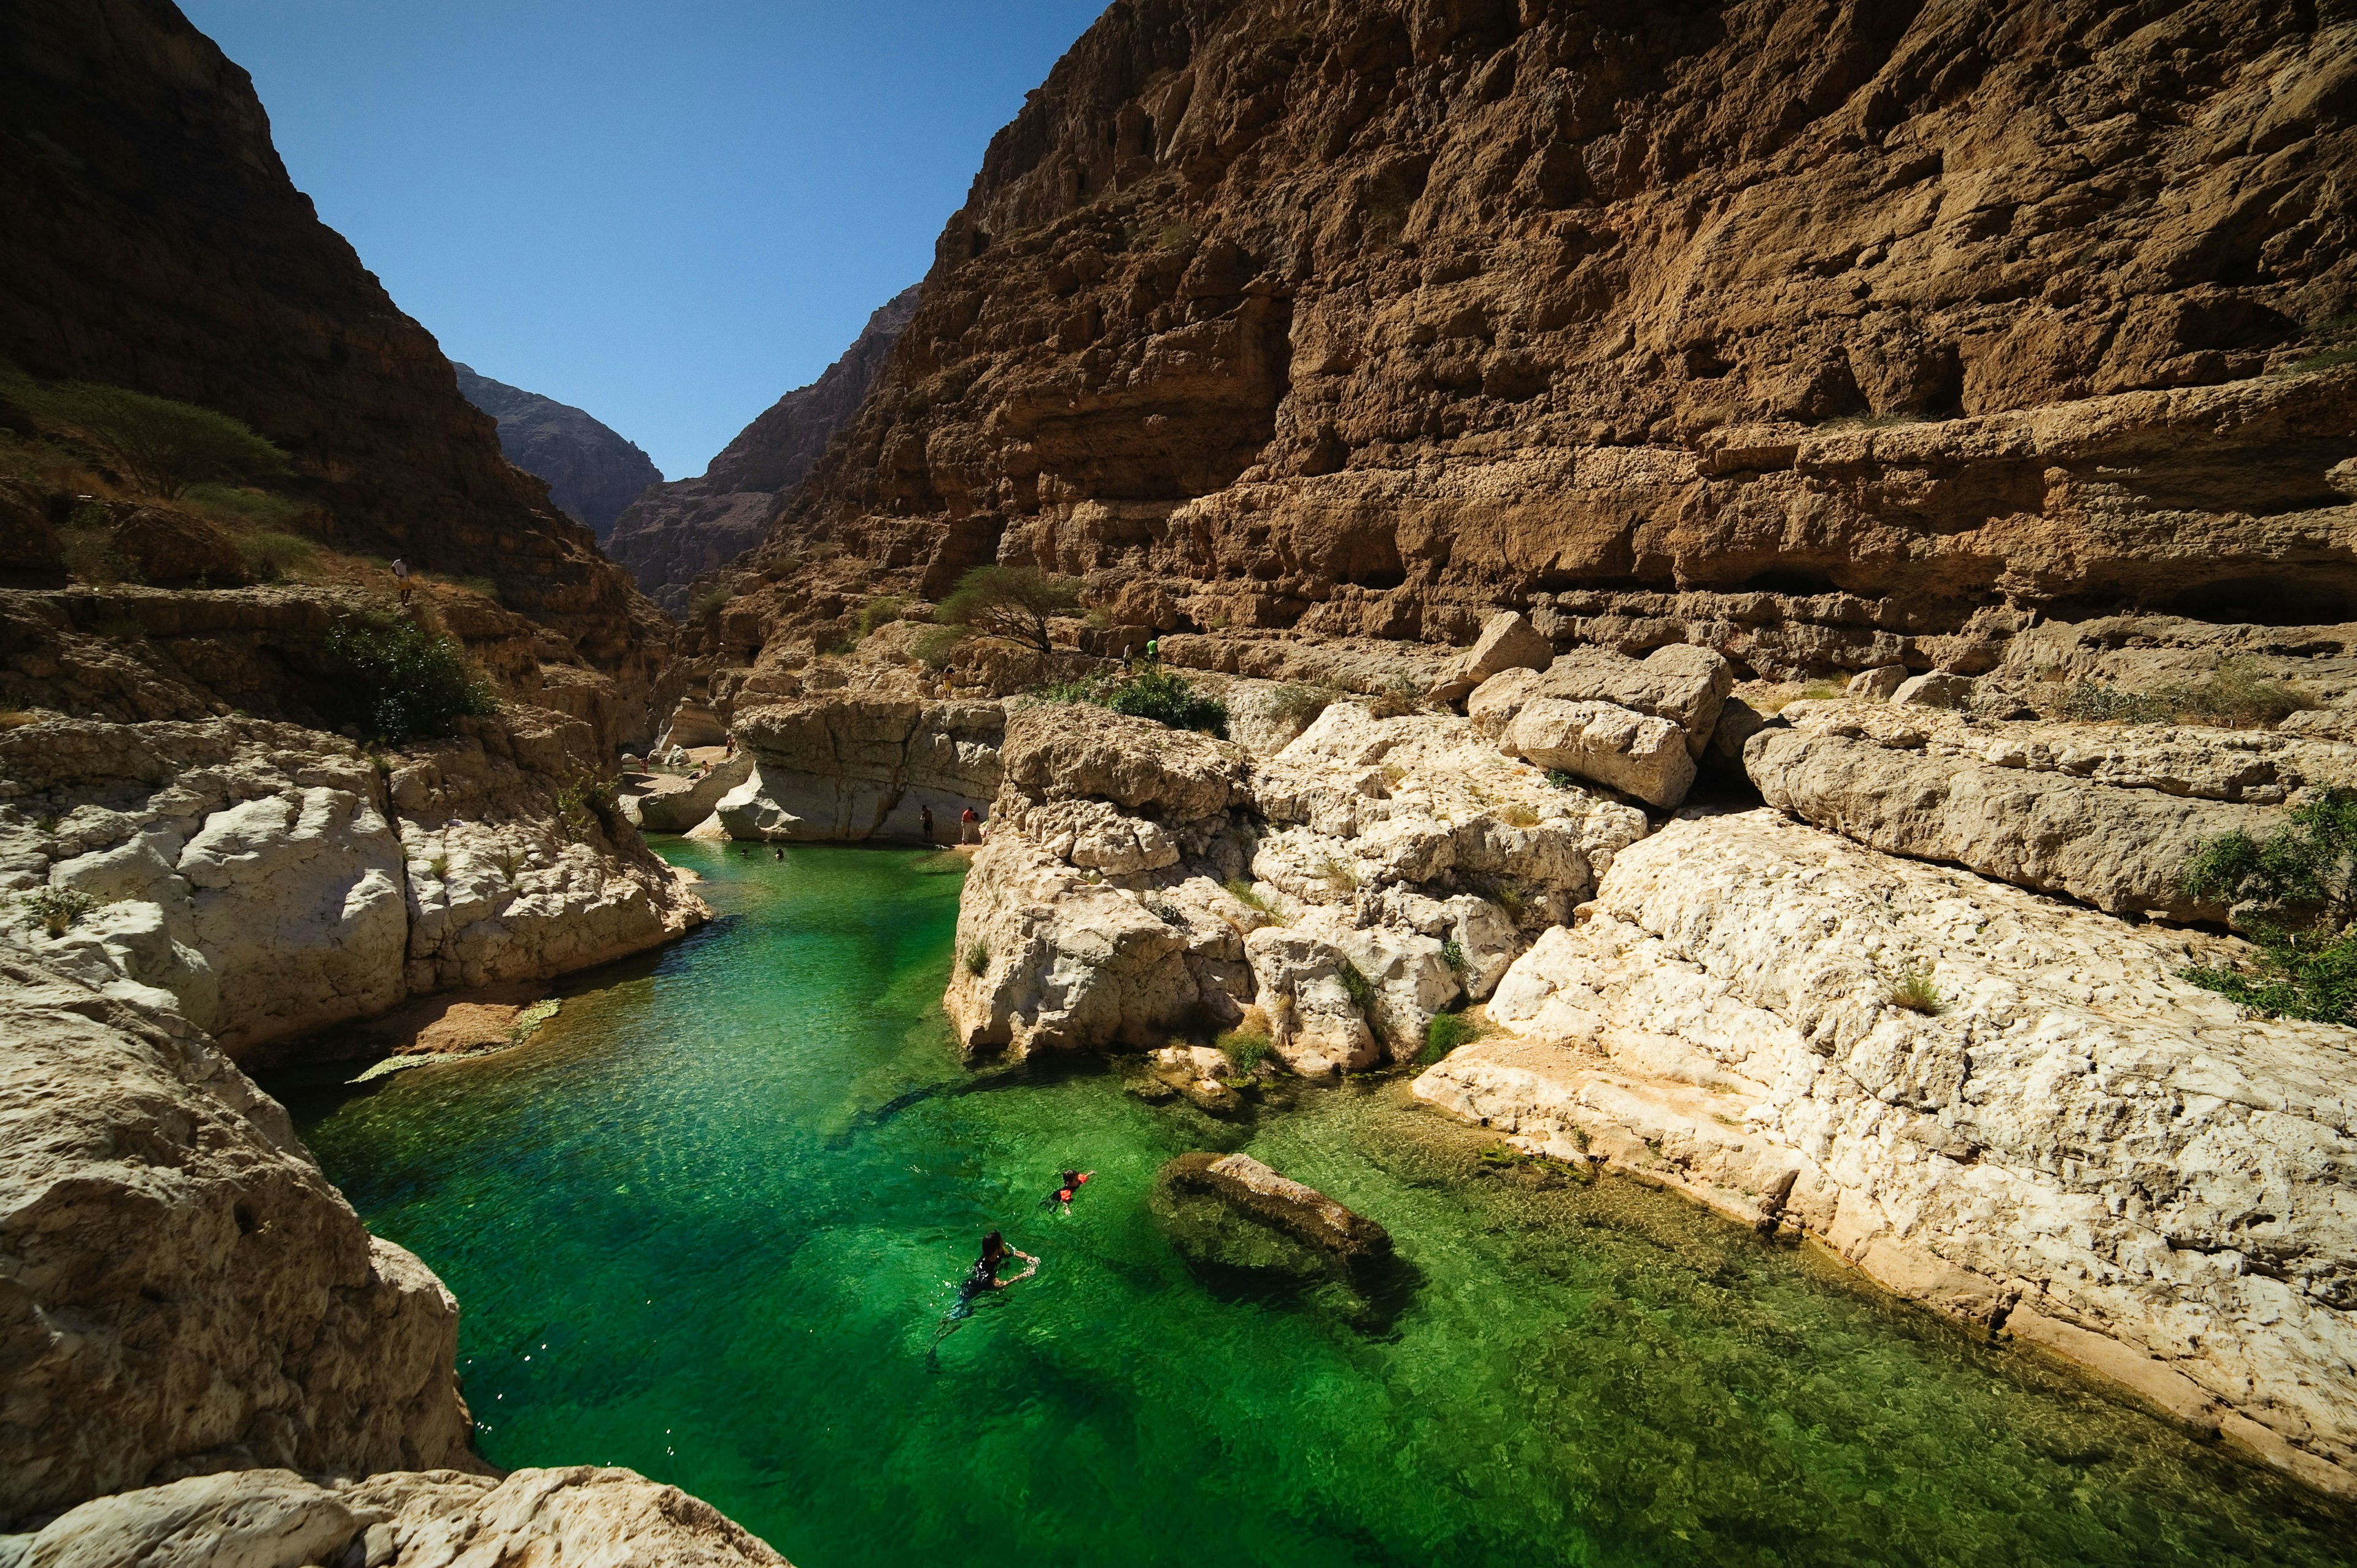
x=669, y=538
x=593, y=472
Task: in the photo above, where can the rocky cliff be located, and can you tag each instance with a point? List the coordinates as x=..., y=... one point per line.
x=689, y=527
x=1827, y=335
x=593, y=472
x=154, y=242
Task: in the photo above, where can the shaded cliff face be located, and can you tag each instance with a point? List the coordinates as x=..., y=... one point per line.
x=1882, y=323
x=689, y=527
x=154, y=240
x=593, y=472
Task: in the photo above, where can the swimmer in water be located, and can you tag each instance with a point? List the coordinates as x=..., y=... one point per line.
x=1063, y=1196
x=980, y=1281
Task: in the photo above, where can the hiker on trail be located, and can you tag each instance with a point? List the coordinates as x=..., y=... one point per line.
x=401, y=577
x=1153, y=650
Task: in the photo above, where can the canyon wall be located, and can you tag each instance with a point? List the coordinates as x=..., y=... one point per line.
x=689, y=527
x=154, y=242
x=593, y=472
x=1876, y=326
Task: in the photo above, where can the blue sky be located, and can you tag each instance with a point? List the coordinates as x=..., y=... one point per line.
x=667, y=212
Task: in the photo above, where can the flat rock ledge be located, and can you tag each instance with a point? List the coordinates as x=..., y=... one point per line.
x=2074, y=1146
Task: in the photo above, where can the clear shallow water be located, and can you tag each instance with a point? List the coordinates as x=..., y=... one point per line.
x=706, y=1225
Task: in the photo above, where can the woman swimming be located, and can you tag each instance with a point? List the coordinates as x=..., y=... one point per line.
x=980, y=1281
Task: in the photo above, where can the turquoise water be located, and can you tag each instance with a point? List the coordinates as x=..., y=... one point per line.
x=708, y=1223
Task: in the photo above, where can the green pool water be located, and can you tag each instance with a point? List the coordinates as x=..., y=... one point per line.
x=706, y=1225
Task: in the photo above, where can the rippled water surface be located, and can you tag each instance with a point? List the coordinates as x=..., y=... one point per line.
x=707, y=1222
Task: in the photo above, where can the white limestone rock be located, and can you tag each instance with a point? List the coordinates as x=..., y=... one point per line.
x=1634, y=753
x=1508, y=641
x=2081, y=1147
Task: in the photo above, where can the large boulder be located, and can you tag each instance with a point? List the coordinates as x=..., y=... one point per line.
x=1071, y=751
x=184, y=1290
x=1679, y=682
x=1232, y=1211
x=858, y=765
x=1634, y=753
x=2010, y=1108
x=2109, y=816
x=1048, y=957
x=1343, y=996
x=674, y=802
x=1508, y=641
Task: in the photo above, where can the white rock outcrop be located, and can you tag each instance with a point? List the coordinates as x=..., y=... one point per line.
x=264, y=881
x=181, y=1289
x=2108, y=815
x=2078, y=1147
x=855, y=764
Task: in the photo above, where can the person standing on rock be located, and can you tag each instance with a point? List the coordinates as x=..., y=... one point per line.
x=968, y=825
x=400, y=579
x=925, y=818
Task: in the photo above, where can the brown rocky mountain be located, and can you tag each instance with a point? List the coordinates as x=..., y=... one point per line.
x=688, y=527
x=154, y=240
x=1828, y=335
x=593, y=472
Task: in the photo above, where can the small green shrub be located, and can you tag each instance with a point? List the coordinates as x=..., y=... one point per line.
x=1510, y=895
x=2303, y=877
x=1915, y=991
x=1168, y=699
x=877, y=614
x=936, y=646
x=440, y=866
x=1399, y=697
x=708, y=605
x=58, y=908
x=2239, y=694
x=401, y=682
x=587, y=803
x=1452, y=953
x=977, y=959
x=1559, y=779
x=1299, y=705
x=1446, y=1033
x=1245, y=1049
x=1245, y=893
x=1361, y=989
x=90, y=557
x=273, y=556
x=1337, y=872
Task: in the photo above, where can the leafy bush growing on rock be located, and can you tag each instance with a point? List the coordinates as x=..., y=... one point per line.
x=977, y=959
x=1245, y=1049
x=1361, y=989
x=403, y=684
x=160, y=447
x=2303, y=877
x=936, y=645
x=877, y=614
x=1168, y=699
x=58, y=908
x=1011, y=602
x=1445, y=1033
x=1156, y=694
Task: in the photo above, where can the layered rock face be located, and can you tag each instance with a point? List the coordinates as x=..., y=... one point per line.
x=1827, y=337
x=154, y=242
x=689, y=527
x=264, y=881
x=593, y=472
x=184, y=1291
x=2074, y=1145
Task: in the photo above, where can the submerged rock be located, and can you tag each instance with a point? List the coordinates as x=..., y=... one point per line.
x=1232, y=1211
